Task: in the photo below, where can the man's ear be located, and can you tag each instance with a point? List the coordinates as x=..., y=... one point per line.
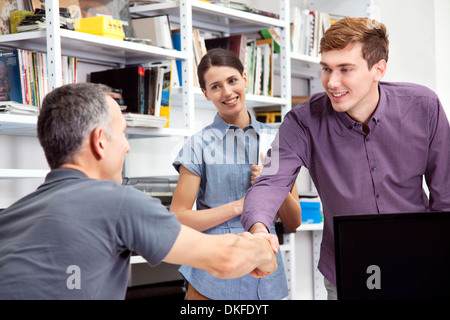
x=98, y=142
x=380, y=70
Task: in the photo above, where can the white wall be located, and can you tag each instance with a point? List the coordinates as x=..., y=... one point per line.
x=419, y=43
x=442, y=36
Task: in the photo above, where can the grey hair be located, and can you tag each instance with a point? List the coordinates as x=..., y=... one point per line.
x=68, y=116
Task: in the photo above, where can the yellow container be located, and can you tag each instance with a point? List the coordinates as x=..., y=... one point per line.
x=101, y=26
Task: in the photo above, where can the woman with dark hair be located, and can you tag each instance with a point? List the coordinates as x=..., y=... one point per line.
x=217, y=166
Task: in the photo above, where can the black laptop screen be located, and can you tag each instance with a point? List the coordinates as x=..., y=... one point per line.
x=393, y=256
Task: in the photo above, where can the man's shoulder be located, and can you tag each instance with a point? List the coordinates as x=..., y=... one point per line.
x=315, y=106
x=407, y=89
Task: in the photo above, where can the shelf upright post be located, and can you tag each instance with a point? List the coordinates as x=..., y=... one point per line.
x=188, y=67
x=285, y=57
x=285, y=74
x=53, y=43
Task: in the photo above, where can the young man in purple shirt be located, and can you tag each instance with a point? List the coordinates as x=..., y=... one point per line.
x=367, y=144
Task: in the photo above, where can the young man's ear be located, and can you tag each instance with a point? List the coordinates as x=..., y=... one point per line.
x=98, y=142
x=380, y=70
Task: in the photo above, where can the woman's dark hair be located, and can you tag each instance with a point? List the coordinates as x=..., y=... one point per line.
x=217, y=58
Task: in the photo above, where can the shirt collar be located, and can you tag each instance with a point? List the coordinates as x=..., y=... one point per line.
x=62, y=174
x=223, y=127
x=377, y=115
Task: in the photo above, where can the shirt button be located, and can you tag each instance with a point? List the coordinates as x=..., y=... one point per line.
x=374, y=168
x=377, y=196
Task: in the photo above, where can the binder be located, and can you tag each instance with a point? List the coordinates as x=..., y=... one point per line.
x=235, y=43
x=130, y=80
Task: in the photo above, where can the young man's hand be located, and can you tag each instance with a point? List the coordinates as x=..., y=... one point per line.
x=268, y=268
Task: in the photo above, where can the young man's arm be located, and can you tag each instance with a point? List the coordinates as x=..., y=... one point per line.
x=224, y=256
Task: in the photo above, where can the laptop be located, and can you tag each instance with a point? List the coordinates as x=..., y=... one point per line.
x=393, y=256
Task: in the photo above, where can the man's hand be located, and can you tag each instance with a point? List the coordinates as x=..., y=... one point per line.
x=267, y=268
x=261, y=230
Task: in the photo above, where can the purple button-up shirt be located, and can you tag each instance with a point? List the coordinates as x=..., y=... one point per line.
x=354, y=172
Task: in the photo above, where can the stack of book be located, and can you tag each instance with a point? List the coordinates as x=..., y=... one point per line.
x=24, y=78
x=144, y=120
x=37, y=21
x=307, y=28
x=17, y=108
x=144, y=90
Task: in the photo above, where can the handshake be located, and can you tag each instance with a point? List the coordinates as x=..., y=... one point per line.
x=269, y=247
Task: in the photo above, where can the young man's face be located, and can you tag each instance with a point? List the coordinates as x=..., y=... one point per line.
x=348, y=82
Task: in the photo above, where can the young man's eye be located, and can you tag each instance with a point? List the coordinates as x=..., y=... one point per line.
x=326, y=69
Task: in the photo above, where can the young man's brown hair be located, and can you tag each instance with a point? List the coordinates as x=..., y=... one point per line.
x=370, y=33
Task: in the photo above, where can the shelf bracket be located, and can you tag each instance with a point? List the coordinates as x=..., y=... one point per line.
x=285, y=57
x=53, y=35
x=187, y=64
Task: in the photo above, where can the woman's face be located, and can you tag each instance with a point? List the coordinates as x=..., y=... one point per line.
x=225, y=87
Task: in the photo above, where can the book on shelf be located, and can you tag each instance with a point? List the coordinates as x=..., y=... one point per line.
x=259, y=67
x=130, y=80
x=25, y=78
x=199, y=50
x=156, y=29
x=143, y=89
x=249, y=64
x=199, y=46
x=307, y=28
x=235, y=43
x=266, y=46
x=160, y=79
x=245, y=7
x=176, y=42
x=166, y=90
x=144, y=120
x=14, y=107
x=275, y=35
x=11, y=76
x=268, y=117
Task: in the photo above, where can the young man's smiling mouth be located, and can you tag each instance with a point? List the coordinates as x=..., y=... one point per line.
x=338, y=95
